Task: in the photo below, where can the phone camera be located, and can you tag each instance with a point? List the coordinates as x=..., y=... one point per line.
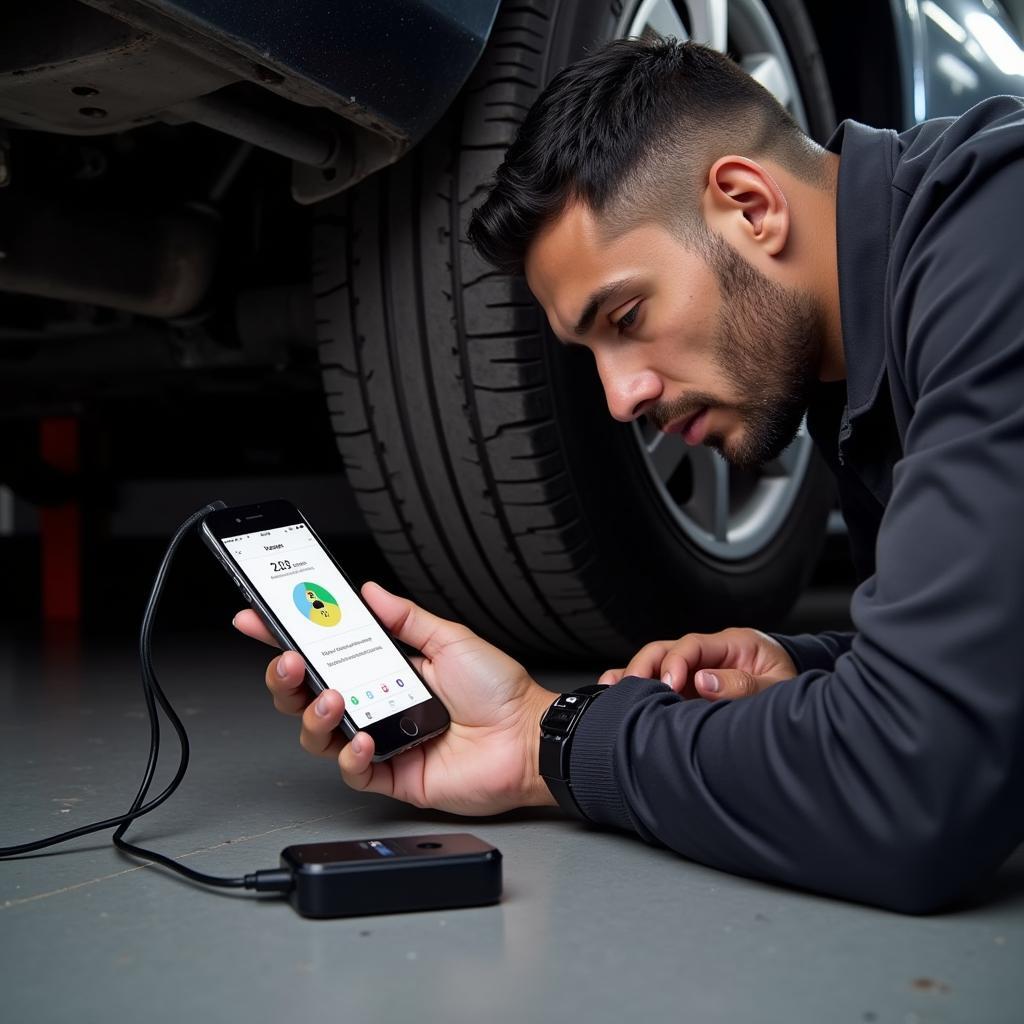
x=428, y=846
x=237, y=520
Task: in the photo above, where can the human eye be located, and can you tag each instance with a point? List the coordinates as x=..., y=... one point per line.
x=628, y=319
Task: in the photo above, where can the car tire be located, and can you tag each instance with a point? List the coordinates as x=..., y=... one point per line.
x=480, y=452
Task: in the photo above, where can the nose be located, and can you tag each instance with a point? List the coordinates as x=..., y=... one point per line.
x=628, y=390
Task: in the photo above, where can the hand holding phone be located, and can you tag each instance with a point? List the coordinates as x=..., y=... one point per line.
x=485, y=763
x=308, y=604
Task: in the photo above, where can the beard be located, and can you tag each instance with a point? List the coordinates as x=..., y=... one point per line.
x=767, y=344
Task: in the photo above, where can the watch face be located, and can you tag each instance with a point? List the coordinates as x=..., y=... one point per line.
x=563, y=713
x=556, y=728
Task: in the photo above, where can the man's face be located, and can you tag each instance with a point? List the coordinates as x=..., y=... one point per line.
x=700, y=342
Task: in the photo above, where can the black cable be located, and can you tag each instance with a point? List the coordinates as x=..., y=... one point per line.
x=271, y=880
x=151, y=689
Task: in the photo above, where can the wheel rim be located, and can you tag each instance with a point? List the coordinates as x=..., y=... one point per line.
x=727, y=513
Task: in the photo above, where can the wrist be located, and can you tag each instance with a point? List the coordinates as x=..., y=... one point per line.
x=535, y=791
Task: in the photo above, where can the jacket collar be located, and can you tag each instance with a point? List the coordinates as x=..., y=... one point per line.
x=863, y=234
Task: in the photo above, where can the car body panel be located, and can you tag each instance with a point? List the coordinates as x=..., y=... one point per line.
x=954, y=53
x=393, y=66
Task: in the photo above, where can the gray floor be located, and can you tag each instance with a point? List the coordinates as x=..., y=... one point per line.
x=593, y=926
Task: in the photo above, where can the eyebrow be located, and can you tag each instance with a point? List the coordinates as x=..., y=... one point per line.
x=595, y=302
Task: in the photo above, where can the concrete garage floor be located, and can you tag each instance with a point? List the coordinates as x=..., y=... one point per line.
x=593, y=925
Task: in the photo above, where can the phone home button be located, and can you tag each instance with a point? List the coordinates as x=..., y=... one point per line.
x=409, y=727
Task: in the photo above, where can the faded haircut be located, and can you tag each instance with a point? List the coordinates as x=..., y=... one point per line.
x=631, y=131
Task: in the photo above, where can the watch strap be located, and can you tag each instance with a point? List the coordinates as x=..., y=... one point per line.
x=557, y=727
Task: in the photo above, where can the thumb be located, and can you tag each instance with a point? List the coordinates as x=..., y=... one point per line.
x=412, y=624
x=730, y=684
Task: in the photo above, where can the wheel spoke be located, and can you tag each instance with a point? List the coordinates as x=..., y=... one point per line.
x=658, y=16
x=767, y=69
x=720, y=523
x=709, y=505
x=709, y=21
x=648, y=433
x=665, y=452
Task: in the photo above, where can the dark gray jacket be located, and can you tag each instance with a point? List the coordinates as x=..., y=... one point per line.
x=891, y=770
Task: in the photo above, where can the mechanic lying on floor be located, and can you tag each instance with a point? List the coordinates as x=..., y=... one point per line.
x=728, y=276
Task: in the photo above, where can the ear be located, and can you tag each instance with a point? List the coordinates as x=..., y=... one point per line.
x=744, y=203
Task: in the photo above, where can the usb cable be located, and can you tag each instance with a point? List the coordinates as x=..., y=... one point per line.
x=278, y=880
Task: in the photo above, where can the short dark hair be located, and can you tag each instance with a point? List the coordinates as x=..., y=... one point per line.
x=631, y=130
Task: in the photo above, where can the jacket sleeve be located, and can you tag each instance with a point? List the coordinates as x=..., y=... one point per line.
x=896, y=775
x=815, y=650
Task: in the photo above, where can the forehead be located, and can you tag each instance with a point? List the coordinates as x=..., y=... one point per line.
x=574, y=256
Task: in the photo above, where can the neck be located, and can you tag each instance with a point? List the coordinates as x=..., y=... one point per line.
x=832, y=365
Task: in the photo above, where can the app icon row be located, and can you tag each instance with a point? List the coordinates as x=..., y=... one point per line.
x=384, y=697
x=381, y=690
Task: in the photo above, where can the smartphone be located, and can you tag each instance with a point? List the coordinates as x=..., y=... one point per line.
x=309, y=605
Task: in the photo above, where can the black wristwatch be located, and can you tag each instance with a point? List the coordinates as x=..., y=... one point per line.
x=556, y=731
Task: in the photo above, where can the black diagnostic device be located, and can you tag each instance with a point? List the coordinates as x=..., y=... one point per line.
x=392, y=875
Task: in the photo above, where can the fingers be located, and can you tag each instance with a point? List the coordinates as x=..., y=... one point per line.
x=730, y=653
x=249, y=623
x=730, y=684
x=286, y=675
x=648, y=663
x=319, y=724
x=359, y=771
x=321, y=736
x=727, y=665
x=691, y=652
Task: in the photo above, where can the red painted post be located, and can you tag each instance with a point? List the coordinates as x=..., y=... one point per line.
x=60, y=527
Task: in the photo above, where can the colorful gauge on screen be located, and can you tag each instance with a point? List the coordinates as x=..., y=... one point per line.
x=316, y=604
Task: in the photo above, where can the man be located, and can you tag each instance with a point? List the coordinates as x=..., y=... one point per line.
x=728, y=276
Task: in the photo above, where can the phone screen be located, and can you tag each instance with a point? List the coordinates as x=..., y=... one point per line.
x=327, y=620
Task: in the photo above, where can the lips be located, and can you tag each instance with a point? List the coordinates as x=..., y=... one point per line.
x=696, y=429
x=691, y=428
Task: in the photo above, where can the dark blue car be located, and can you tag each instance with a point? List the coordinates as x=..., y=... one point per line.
x=233, y=234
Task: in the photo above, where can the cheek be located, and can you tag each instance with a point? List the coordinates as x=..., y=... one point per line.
x=684, y=349
x=694, y=320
